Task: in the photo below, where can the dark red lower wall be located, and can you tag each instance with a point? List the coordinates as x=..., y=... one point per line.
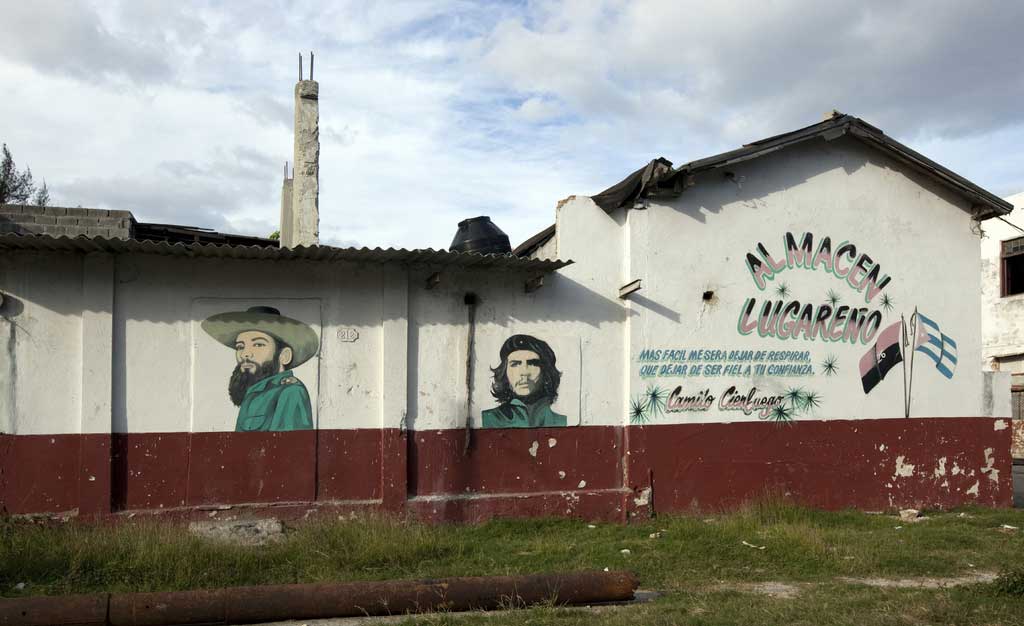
x=597, y=472
x=829, y=464
x=515, y=460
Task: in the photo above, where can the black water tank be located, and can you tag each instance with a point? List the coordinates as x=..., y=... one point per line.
x=480, y=235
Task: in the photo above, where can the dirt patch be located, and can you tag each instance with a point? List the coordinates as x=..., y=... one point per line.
x=241, y=532
x=788, y=591
x=923, y=583
x=773, y=589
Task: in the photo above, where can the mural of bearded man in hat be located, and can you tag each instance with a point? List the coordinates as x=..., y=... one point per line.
x=268, y=346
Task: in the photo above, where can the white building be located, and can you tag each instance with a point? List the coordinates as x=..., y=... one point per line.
x=730, y=327
x=1002, y=307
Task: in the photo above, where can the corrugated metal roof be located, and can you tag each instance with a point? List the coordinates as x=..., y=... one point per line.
x=424, y=257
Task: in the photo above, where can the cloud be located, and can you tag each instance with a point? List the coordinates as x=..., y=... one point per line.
x=914, y=67
x=538, y=109
x=214, y=194
x=439, y=110
x=69, y=38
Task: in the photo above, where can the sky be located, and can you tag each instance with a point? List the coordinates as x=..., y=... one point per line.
x=432, y=111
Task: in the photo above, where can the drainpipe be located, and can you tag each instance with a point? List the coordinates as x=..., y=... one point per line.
x=471, y=302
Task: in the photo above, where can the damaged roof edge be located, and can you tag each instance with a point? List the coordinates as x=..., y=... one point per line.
x=418, y=258
x=652, y=179
x=527, y=248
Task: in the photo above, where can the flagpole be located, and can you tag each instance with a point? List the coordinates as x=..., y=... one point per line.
x=913, y=349
x=903, y=328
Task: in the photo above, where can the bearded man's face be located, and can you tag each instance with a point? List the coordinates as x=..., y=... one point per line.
x=256, y=353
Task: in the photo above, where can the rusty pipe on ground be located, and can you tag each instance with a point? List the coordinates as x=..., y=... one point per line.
x=247, y=605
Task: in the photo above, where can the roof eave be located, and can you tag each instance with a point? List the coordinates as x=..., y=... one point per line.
x=426, y=258
x=985, y=205
x=535, y=242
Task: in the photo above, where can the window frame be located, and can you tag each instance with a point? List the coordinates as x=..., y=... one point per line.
x=1008, y=249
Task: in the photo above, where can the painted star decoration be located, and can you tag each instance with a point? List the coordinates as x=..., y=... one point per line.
x=811, y=400
x=796, y=401
x=655, y=400
x=888, y=302
x=781, y=413
x=638, y=411
x=830, y=366
x=832, y=297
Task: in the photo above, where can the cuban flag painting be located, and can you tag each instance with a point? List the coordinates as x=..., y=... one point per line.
x=936, y=345
x=882, y=357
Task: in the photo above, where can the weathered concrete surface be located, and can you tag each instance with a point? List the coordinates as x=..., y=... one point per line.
x=253, y=532
x=1002, y=321
x=1018, y=485
x=306, y=181
x=1002, y=317
x=287, y=218
x=62, y=221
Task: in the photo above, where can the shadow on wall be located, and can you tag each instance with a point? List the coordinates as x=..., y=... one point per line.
x=654, y=307
x=749, y=182
x=10, y=306
x=9, y=226
x=502, y=299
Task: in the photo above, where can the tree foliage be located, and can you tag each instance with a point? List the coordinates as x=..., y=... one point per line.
x=42, y=197
x=18, y=187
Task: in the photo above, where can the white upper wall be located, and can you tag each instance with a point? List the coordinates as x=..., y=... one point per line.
x=116, y=344
x=918, y=233
x=1002, y=320
x=576, y=312
x=41, y=359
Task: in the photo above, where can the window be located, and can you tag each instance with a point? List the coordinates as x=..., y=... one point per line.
x=1013, y=266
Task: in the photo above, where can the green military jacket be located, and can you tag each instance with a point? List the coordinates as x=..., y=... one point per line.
x=278, y=402
x=516, y=414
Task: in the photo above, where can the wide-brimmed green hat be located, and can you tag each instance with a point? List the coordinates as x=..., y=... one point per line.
x=224, y=327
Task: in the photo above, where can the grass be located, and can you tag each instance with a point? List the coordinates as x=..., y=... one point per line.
x=699, y=561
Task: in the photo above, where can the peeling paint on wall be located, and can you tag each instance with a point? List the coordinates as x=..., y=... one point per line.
x=903, y=469
x=993, y=473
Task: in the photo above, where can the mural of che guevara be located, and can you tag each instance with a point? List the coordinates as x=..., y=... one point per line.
x=268, y=346
x=525, y=385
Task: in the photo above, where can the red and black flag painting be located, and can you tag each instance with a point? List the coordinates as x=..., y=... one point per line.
x=882, y=357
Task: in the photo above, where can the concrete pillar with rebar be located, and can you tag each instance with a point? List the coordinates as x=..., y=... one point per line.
x=305, y=204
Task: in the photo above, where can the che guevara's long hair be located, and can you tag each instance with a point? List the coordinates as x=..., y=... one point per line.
x=549, y=375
